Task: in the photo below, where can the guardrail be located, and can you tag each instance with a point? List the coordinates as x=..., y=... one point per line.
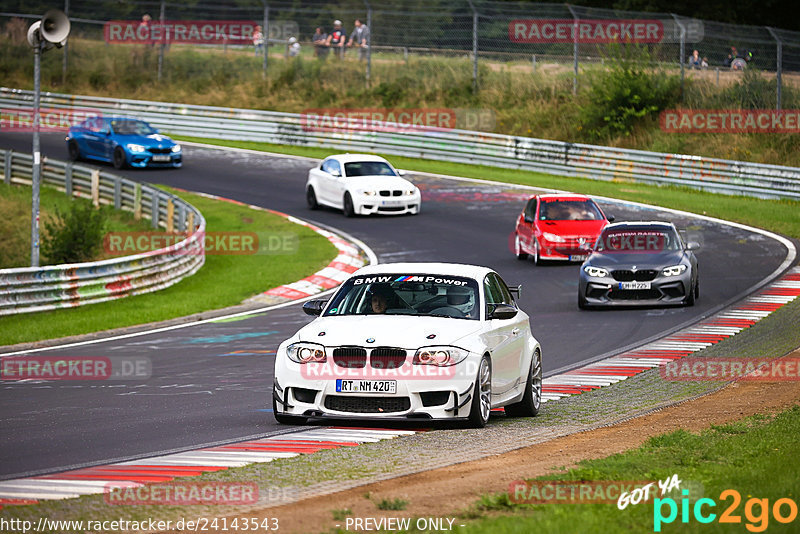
x=31, y=289
x=460, y=146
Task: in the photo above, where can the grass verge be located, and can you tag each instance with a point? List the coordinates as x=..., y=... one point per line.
x=15, y=224
x=749, y=456
x=779, y=216
x=224, y=280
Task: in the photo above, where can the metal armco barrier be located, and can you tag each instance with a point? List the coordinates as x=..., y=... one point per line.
x=460, y=146
x=31, y=289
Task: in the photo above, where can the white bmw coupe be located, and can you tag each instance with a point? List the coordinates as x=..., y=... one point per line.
x=411, y=340
x=360, y=184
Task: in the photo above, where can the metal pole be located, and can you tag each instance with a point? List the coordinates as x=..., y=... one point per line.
x=265, y=26
x=574, y=50
x=474, y=46
x=161, y=47
x=65, y=57
x=779, y=67
x=37, y=157
x=682, y=58
x=369, y=43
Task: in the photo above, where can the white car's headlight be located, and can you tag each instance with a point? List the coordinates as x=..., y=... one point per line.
x=440, y=356
x=136, y=148
x=675, y=270
x=176, y=148
x=368, y=193
x=598, y=272
x=553, y=237
x=305, y=352
x=411, y=192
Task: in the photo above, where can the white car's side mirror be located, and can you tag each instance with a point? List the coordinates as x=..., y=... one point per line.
x=401, y=172
x=335, y=173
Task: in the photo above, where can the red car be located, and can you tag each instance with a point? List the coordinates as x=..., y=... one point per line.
x=561, y=226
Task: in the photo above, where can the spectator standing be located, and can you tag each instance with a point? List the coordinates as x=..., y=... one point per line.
x=336, y=39
x=694, y=60
x=258, y=40
x=320, y=39
x=360, y=39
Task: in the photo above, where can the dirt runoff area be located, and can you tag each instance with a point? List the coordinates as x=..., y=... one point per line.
x=443, y=493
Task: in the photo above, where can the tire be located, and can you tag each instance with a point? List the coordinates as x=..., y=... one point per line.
x=481, y=395
x=120, y=160
x=536, y=259
x=311, y=198
x=518, y=248
x=694, y=291
x=532, y=398
x=349, y=211
x=74, y=150
x=582, y=304
x=286, y=419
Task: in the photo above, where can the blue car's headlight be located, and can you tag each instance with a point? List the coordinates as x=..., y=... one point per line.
x=176, y=148
x=135, y=148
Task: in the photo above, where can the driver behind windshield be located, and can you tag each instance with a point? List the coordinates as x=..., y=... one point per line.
x=380, y=295
x=462, y=299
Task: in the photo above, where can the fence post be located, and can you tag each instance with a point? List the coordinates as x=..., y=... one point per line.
x=474, y=46
x=154, y=208
x=65, y=57
x=682, y=57
x=534, y=63
x=161, y=46
x=265, y=26
x=137, y=202
x=68, y=179
x=7, y=167
x=575, y=22
x=96, y=188
x=182, y=217
x=405, y=54
x=117, y=192
x=170, y=215
x=779, y=67
x=190, y=222
x=369, y=42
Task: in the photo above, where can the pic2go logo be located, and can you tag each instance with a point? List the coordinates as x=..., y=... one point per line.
x=757, y=521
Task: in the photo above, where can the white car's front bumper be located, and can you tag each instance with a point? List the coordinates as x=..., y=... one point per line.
x=423, y=391
x=387, y=205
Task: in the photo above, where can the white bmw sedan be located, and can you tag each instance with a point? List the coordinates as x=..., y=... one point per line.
x=360, y=184
x=411, y=340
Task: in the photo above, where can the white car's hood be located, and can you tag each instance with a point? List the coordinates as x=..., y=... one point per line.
x=375, y=183
x=400, y=331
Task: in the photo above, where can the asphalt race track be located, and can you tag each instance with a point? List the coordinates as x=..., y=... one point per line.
x=212, y=382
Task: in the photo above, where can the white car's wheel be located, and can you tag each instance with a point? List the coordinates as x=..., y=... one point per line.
x=531, y=400
x=349, y=210
x=482, y=395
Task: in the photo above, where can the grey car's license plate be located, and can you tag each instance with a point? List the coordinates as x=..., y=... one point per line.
x=634, y=285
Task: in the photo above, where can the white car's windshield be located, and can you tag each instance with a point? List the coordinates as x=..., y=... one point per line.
x=408, y=294
x=368, y=168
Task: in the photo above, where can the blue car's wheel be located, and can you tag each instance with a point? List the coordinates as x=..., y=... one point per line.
x=74, y=150
x=120, y=161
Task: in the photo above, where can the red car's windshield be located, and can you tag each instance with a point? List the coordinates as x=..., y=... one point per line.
x=569, y=210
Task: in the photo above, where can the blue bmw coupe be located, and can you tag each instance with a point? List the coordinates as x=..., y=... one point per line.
x=124, y=142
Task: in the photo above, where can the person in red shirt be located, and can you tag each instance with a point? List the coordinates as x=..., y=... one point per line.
x=336, y=39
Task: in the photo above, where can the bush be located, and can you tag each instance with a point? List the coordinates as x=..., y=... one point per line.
x=623, y=95
x=75, y=236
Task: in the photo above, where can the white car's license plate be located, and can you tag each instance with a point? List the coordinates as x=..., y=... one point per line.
x=578, y=257
x=634, y=285
x=392, y=203
x=161, y=158
x=366, y=386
